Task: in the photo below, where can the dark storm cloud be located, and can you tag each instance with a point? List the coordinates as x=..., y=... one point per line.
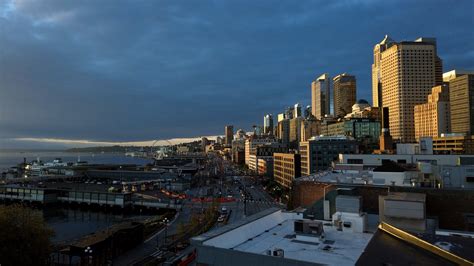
x=136, y=70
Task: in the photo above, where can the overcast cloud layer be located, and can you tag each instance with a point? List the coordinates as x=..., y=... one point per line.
x=141, y=70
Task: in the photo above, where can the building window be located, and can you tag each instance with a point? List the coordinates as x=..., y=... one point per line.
x=355, y=161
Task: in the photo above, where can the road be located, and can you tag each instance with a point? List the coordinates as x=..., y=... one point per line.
x=249, y=198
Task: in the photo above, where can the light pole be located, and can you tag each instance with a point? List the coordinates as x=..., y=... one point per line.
x=88, y=252
x=165, y=222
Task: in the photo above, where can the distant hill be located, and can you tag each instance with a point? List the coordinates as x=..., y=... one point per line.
x=107, y=149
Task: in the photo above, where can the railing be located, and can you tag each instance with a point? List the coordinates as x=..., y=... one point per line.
x=423, y=244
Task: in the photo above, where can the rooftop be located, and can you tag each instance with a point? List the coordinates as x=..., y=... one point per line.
x=346, y=177
x=404, y=196
x=275, y=230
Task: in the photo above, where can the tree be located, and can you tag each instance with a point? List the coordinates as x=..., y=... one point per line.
x=24, y=236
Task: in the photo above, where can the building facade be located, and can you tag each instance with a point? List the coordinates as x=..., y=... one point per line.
x=432, y=118
x=252, y=143
x=365, y=131
x=317, y=154
x=320, y=96
x=461, y=96
x=283, y=131
x=453, y=144
x=268, y=124
x=309, y=128
x=295, y=132
x=345, y=94
x=408, y=71
x=238, y=151
x=229, y=134
x=264, y=152
x=265, y=166
x=286, y=167
x=376, y=73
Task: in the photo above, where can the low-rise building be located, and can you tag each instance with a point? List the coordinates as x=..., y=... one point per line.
x=264, y=152
x=286, y=167
x=453, y=144
x=365, y=131
x=318, y=153
x=374, y=160
x=274, y=237
x=254, y=141
x=265, y=167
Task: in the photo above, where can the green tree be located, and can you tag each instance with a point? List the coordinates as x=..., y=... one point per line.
x=24, y=236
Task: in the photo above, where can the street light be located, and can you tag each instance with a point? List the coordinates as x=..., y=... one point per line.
x=165, y=222
x=88, y=252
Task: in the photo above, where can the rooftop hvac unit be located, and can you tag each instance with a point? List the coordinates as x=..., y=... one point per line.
x=278, y=252
x=348, y=203
x=309, y=227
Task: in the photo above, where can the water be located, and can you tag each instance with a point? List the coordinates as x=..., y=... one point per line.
x=12, y=158
x=71, y=224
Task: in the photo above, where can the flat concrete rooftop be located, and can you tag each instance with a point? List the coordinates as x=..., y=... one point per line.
x=339, y=248
x=276, y=231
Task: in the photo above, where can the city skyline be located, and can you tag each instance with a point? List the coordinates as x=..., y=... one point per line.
x=168, y=75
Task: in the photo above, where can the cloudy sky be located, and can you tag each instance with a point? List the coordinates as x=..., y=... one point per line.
x=113, y=71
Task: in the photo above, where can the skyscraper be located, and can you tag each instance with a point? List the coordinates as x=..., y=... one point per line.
x=408, y=71
x=376, y=77
x=307, y=112
x=345, y=94
x=284, y=131
x=229, y=134
x=320, y=96
x=268, y=124
x=297, y=111
x=461, y=96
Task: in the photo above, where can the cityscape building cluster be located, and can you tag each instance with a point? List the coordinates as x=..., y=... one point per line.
x=416, y=109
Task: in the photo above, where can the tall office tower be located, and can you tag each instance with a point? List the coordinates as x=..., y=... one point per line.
x=376, y=78
x=229, y=134
x=297, y=110
x=280, y=117
x=461, y=96
x=307, y=112
x=345, y=94
x=268, y=124
x=408, y=71
x=438, y=63
x=295, y=132
x=320, y=96
x=289, y=112
x=432, y=118
x=284, y=131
